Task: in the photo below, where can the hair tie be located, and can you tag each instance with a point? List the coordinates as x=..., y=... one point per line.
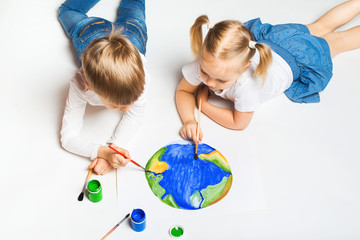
x=252, y=44
x=210, y=26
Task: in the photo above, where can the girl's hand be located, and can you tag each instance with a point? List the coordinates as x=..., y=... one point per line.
x=100, y=166
x=188, y=131
x=203, y=93
x=115, y=159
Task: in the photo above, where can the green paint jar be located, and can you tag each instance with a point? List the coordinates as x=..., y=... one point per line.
x=94, y=191
x=176, y=231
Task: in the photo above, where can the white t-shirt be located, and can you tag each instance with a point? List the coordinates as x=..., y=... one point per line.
x=74, y=112
x=247, y=92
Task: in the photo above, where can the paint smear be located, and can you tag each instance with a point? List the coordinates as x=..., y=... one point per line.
x=181, y=181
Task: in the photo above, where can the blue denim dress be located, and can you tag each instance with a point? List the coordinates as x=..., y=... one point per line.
x=308, y=57
x=82, y=29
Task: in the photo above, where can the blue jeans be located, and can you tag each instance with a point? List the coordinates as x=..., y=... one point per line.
x=82, y=29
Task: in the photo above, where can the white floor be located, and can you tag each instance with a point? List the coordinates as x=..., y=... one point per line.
x=307, y=156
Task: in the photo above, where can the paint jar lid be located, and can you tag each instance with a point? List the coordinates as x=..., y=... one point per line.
x=138, y=215
x=176, y=231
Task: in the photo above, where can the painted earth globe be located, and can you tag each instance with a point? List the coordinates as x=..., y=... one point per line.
x=181, y=181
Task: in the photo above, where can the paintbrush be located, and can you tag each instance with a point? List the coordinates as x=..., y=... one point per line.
x=127, y=215
x=197, y=131
x=130, y=159
x=81, y=196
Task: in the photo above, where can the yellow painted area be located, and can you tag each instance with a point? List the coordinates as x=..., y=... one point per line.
x=159, y=167
x=215, y=154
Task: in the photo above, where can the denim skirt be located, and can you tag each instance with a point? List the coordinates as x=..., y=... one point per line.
x=308, y=57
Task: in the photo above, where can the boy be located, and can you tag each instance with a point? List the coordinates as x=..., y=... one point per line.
x=112, y=74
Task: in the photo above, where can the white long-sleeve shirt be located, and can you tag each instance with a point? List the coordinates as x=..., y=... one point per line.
x=74, y=112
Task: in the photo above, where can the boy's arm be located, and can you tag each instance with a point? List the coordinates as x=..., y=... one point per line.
x=128, y=126
x=130, y=123
x=72, y=124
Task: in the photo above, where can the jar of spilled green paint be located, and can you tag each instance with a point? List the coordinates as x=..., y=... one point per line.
x=94, y=191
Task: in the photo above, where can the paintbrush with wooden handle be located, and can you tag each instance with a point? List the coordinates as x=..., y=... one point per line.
x=197, y=131
x=81, y=196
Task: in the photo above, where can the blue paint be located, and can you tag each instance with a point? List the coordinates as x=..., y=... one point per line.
x=185, y=175
x=138, y=221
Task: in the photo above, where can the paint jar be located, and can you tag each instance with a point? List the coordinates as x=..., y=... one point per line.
x=176, y=231
x=138, y=220
x=94, y=191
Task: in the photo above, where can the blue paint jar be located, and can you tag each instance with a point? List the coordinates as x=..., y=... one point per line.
x=138, y=220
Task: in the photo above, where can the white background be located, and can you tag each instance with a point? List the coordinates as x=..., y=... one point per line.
x=307, y=156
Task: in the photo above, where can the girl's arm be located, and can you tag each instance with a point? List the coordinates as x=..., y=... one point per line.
x=231, y=119
x=185, y=103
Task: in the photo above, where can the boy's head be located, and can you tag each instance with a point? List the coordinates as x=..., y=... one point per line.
x=113, y=70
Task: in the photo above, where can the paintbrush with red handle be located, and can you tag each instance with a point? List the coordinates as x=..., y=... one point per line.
x=130, y=159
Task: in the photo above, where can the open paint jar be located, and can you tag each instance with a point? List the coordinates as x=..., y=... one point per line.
x=94, y=191
x=176, y=231
x=138, y=220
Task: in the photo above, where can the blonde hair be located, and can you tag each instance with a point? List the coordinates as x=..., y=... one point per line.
x=113, y=69
x=226, y=40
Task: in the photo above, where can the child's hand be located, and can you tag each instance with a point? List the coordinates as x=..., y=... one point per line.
x=115, y=159
x=203, y=93
x=188, y=131
x=101, y=166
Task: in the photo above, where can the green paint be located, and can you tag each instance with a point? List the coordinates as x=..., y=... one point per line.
x=217, y=162
x=153, y=181
x=213, y=192
x=156, y=157
x=195, y=199
x=169, y=200
x=94, y=191
x=177, y=231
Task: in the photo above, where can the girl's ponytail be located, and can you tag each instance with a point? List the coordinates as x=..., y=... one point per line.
x=196, y=37
x=265, y=61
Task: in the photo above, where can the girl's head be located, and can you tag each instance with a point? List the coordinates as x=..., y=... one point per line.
x=114, y=71
x=226, y=52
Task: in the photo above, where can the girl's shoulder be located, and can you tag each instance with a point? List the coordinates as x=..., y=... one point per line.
x=191, y=72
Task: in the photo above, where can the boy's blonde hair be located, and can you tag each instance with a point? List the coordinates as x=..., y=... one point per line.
x=226, y=40
x=113, y=69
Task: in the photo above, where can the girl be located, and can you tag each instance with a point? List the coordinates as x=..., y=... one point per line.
x=253, y=62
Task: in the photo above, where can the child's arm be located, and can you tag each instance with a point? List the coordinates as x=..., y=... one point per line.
x=185, y=103
x=231, y=119
x=130, y=122
x=72, y=123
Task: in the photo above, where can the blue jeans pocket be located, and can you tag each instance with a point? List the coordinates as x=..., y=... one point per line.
x=94, y=27
x=138, y=31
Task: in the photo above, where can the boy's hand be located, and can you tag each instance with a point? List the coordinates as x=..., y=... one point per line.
x=100, y=166
x=188, y=131
x=115, y=159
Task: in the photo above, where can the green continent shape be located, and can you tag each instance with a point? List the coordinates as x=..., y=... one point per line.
x=153, y=181
x=156, y=157
x=221, y=164
x=213, y=192
x=195, y=199
x=169, y=200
